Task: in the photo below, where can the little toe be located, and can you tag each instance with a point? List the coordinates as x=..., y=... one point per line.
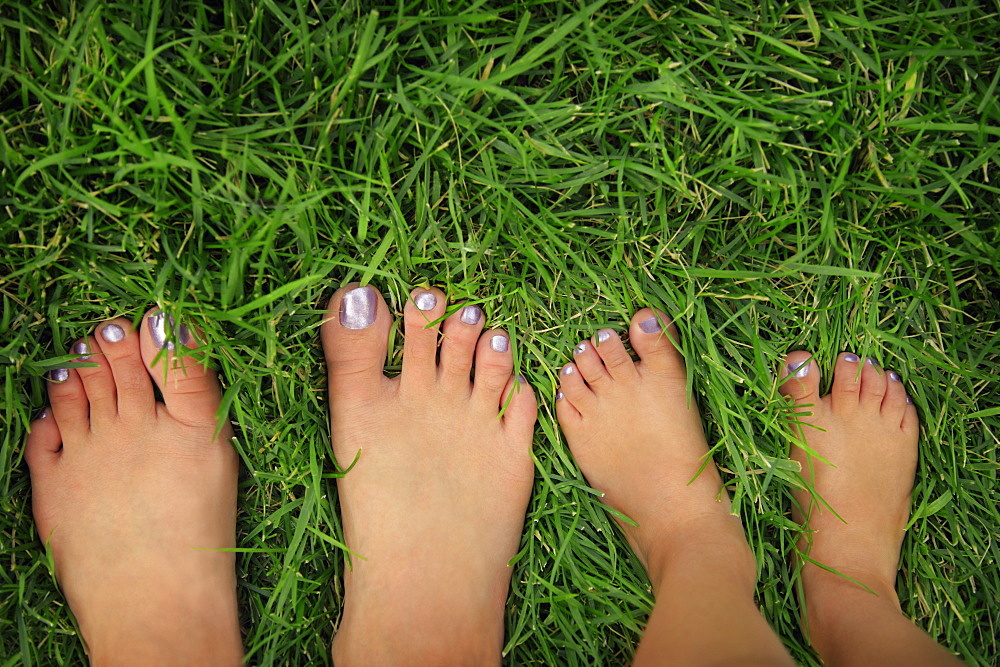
x=421, y=321
x=617, y=361
x=355, y=335
x=68, y=400
x=460, y=334
x=894, y=402
x=520, y=409
x=41, y=448
x=116, y=347
x=800, y=381
x=189, y=387
x=846, y=381
x=98, y=381
x=494, y=364
x=575, y=391
x=873, y=385
x=911, y=420
x=652, y=335
x=589, y=363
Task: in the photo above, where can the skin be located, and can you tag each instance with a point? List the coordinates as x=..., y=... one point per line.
x=864, y=436
x=637, y=436
x=134, y=496
x=434, y=507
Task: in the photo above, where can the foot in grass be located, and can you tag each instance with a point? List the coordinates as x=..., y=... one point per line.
x=434, y=504
x=135, y=496
x=636, y=434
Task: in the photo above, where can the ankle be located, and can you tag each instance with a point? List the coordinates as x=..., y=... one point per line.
x=834, y=603
x=725, y=555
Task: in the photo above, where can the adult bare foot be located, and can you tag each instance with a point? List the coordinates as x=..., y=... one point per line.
x=637, y=436
x=434, y=506
x=135, y=497
x=864, y=438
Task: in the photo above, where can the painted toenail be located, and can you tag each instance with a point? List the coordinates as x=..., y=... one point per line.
x=112, y=333
x=357, y=310
x=472, y=314
x=426, y=301
x=799, y=369
x=44, y=413
x=894, y=376
x=603, y=335
x=499, y=343
x=58, y=375
x=158, y=330
x=870, y=361
x=580, y=349
x=853, y=358
x=522, y=379
x=909, y=399
x=559, y=396
x=652, y=325
x=569, y=369
x=82, y=350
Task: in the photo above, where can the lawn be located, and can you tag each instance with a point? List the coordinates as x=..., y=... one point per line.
x=778, y=176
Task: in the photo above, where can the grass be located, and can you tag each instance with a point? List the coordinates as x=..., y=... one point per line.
x=777, y=175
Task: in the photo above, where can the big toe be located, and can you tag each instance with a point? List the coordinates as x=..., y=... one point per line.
x=355, y=335
x=654, y=337
x=188, y=385
x=799, y=381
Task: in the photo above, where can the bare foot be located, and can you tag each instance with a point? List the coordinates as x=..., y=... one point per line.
x=434, y=506
x=860, y=455
x=637, y=436
x=133, y=495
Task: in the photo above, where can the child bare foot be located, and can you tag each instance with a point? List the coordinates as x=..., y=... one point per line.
x=864, y=437
x=637, y=436
x=136, y=496
x=434, y=504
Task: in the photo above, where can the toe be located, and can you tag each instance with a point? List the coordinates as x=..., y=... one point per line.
x=98, y=381
x=422, y=315
x=911, y=420
x=458, y=345
x=894, y=402
x=117, y=350
x=42, y=445
x=68, y=400
x=617, y=361
x=494, y=365
x=355, y=337
x=575, y=391
x=653, y=335
x=800, y=381
x=846, y=381
x=873, y=385
x=520, y=409
x=589, y=363
x=188, y=385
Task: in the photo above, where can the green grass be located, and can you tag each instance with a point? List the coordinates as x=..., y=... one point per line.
x=817, y=175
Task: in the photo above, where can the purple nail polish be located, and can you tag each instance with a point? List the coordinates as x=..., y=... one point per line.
x=472, y=314
x=559, y=396
x=580, y=349
x=499, y=343
x=44, y=413
x=158, y=324
x=522, y=379
x=357, y=308
x=58, y=375
x=603, y=335
x=853, y=358
x=568, y=369
x=870, y=361
x=909, y=399
x=82, y=350
x=425, y=301
x=799, y=369
x=652, y=325
x=894, y=376
x=112, y=333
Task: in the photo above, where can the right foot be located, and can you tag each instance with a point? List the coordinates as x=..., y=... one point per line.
x=635, y=432
x=866, y=430
x=434, y=506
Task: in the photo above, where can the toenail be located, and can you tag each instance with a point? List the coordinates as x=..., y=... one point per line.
x=799, y=369
x=568, y=369
x=580, y=349
x=426, y=301
x=522, y=379
x=909, y=399
x=652, y=325
x=603, y=335
x=472, y=314
x=112, y=333
x=894, y=376
x=499, y=343
x=82, y=350
x=559, y=396
x=43, y=414
x=58, y=375
x=870, y=361
x=853, y=358
x=158, y=330
x=357, y=309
